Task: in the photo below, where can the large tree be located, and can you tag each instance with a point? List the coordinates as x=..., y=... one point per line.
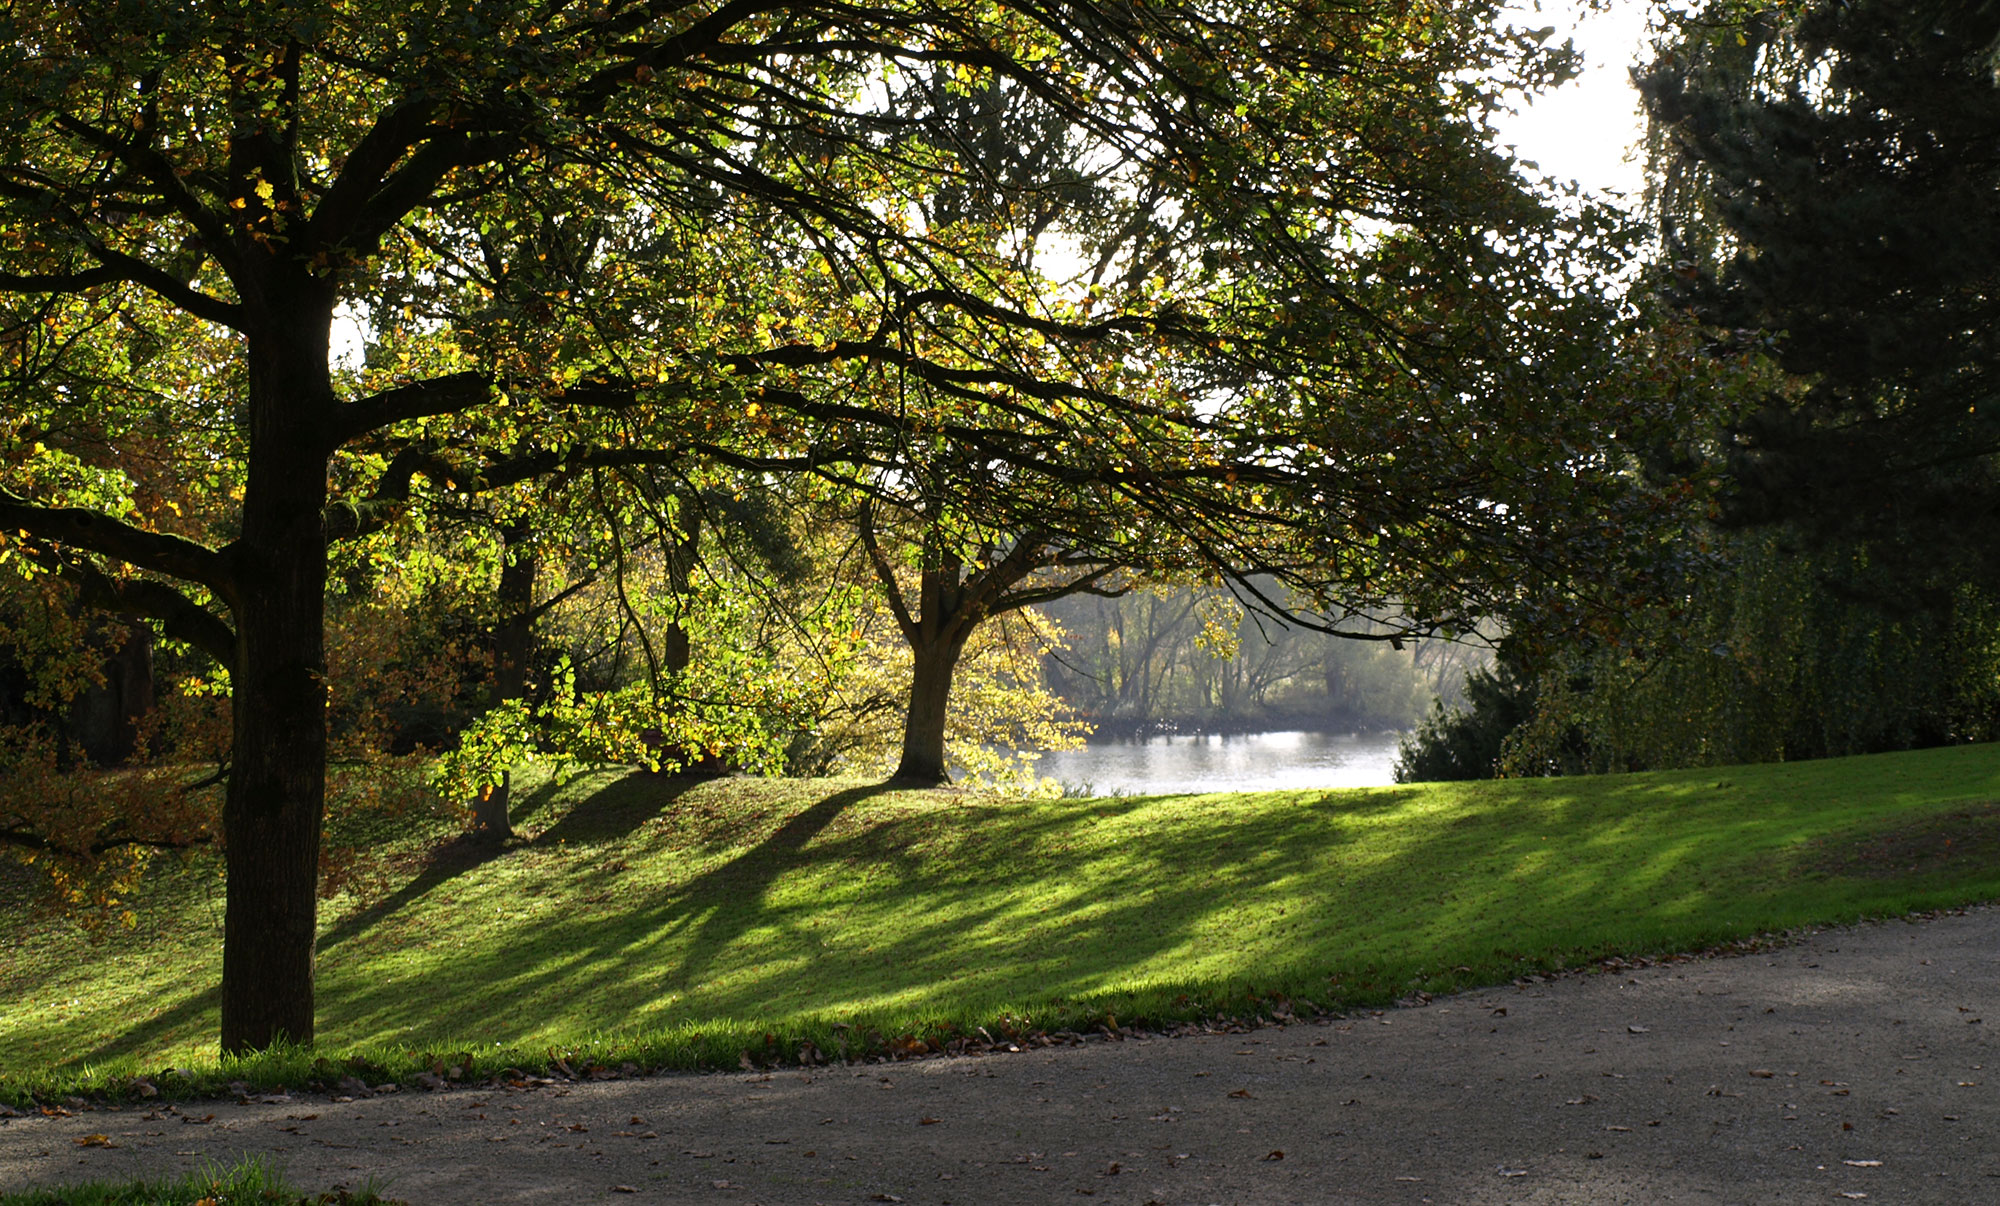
x=1319, y=315
x=1827, y=181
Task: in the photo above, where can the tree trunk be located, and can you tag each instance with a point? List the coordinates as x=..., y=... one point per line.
x=513, y=649
x=683, y=554
x=276, y=798
x=924, y=722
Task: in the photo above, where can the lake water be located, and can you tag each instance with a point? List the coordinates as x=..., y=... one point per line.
x=1235, y=762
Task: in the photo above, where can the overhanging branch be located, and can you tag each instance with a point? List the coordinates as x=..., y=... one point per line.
x=82, y=528
x=445, y=395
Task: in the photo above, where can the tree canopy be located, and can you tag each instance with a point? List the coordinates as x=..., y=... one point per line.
x=1828, y=185
x=1278, y=299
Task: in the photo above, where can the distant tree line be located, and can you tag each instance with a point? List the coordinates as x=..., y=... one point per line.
x=1191, y=658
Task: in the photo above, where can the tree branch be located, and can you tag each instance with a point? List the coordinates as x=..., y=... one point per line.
x=30, y=840
x=668, y=53
x=180, y=617
x=158, y=171
x=174, y=290
x=885, y=572
x=58, y=282
x=445, y=395
x=80, y=527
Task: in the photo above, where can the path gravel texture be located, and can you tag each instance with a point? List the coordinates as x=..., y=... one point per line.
x=1854, y=1065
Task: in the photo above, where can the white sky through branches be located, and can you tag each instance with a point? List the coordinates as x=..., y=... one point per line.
x=1586, y=129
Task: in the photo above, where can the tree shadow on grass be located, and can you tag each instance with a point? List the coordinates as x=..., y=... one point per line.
x=618, y=808
x=149, y=1034
x=750, y=876
x=445, y=863
x=606, y=815
x=709, y=913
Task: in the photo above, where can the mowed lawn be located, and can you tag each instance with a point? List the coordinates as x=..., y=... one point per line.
x=675, y=917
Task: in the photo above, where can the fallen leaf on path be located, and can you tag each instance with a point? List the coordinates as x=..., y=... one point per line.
x=1638, y=1029
x=1275, y=1155
x=623, y=1189
x=93, y=1141
x=1240, y=1093
x=1512, y=1172
x=927, y=1120
x=1762, y=1073
x=885, y=1197
x=1862, y=1163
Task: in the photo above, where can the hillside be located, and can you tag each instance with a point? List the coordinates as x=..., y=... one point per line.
x=681, y=920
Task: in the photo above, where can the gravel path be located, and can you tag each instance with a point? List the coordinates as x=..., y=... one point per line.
x=1851, y=1066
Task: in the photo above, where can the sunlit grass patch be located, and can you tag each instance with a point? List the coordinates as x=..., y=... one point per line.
x=682, y=923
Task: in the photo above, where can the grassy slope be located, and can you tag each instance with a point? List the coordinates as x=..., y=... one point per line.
x=649, y=910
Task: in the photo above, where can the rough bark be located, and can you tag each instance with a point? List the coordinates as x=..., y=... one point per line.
x=934, y=665
x=274, y=809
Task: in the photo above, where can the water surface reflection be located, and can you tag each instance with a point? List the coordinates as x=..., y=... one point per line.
x=1200, y=762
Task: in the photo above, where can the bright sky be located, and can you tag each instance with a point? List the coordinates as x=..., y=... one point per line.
x=1585, y=130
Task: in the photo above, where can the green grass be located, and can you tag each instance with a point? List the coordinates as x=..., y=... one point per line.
x=251, y=1183
x=679, y=923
